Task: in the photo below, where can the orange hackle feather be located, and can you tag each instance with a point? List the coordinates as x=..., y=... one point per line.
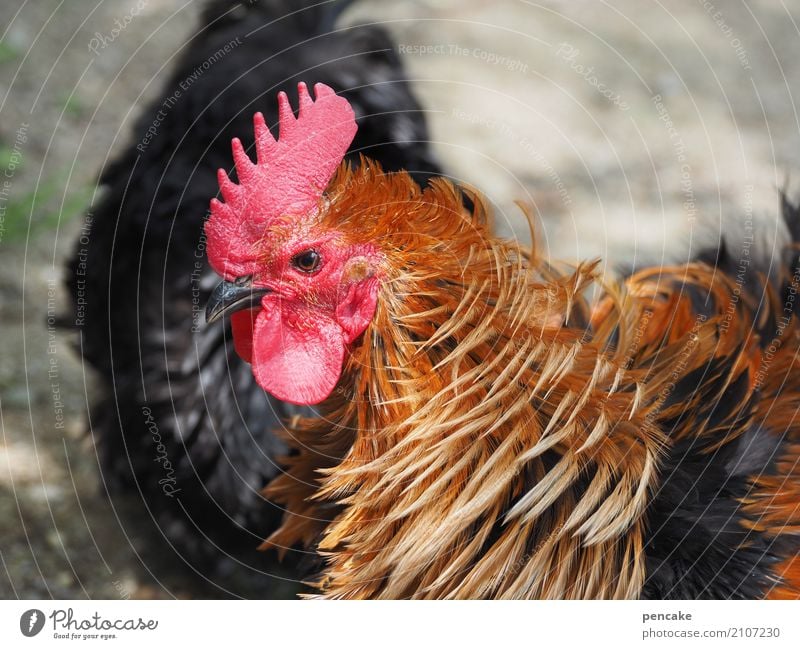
x=495, y=436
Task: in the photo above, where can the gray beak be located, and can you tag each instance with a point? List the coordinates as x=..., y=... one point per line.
x=229, y=297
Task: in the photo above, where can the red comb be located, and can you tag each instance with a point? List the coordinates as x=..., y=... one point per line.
x=288, y=179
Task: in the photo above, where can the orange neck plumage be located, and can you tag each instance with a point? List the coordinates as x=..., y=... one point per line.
x=466, y=393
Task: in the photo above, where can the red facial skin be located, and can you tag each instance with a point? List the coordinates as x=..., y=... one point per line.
x=297, y=342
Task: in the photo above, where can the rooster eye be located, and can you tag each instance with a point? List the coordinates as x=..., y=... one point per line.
x=307, y=261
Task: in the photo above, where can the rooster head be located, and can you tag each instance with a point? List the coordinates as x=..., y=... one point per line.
x=298, y=293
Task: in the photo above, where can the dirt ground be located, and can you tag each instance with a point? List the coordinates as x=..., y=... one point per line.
x=637, y=130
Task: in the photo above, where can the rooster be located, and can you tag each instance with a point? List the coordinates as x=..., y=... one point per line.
x=181, y=424
x=484, y=431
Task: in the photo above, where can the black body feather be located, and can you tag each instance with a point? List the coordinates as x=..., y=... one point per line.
x=167, y=377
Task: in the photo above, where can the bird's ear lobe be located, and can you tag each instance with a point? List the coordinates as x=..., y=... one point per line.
x=356, y=308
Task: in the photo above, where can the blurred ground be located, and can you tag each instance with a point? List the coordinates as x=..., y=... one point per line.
x=637, y=130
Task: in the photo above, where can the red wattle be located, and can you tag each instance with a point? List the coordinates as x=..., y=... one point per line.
x=297, y=354
x=242, y=324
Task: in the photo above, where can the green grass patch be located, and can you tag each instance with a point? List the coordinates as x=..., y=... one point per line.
x=72, y=104
x=43, y=208
x=7, y=52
